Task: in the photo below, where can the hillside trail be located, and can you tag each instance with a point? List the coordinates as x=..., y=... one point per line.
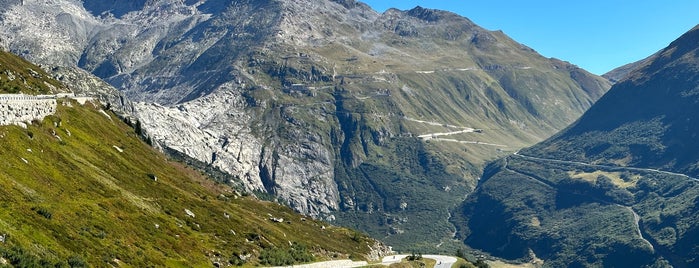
x=637, y=220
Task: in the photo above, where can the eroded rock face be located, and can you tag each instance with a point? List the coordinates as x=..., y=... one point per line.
x=59, y=30
x=83, y=83
x=216, y=130
x=211, y=130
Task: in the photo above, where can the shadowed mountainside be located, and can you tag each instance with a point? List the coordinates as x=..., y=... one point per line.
x=617, y=188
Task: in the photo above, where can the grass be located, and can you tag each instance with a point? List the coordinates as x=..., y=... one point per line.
x=19, y=76
x=79, y=196
x=616, y=178
x=501, y=264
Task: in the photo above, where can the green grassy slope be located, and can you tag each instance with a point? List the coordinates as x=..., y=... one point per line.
x=573, y=215
x=19, y=76
x=79, y=197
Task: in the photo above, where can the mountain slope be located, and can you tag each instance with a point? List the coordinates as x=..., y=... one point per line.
x=619, y=73
x=20, y=76
x=616, y=188
x=654, y=127
x=338, y=111
x=80, y=187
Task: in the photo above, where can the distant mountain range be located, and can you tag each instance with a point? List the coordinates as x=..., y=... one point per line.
x=617, y=188
x=378, y=121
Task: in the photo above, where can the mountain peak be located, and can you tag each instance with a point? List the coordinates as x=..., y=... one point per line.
x=431, y=15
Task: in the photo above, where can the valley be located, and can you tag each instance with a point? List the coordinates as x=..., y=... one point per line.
x=311, y=103
x=415, y=129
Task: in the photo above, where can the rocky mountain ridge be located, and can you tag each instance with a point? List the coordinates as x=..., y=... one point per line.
x=327, y=105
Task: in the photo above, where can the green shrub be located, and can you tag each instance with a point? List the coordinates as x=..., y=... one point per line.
x=43, y=212
x=76, y=261
x=279, y=257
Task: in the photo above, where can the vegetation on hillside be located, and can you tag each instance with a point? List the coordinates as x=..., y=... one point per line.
x=372, y=117
x=646, y=120
x=618, y=188
x=81, y=188
x=19, y=76
x=577, y=215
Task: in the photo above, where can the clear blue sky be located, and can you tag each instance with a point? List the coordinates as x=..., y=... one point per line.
x=596, y=35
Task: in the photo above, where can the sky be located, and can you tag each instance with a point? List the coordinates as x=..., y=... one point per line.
x=596, y=35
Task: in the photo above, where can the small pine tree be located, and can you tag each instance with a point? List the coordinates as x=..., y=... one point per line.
x=138, y=128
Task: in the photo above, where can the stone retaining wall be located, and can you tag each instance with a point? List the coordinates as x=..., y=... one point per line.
x=18, y=109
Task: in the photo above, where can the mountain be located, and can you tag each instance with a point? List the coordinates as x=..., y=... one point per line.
x=619, y=73
x=20, y=76
x=617, y=188
x=80, y=188
x=379, y=121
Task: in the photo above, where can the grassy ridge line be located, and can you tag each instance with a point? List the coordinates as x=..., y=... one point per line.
x=78, y=196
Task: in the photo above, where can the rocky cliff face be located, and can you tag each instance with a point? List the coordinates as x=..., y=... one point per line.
x=335, y=109
x=83, y=83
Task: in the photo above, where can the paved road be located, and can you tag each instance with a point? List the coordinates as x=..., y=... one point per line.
x=329, y=264
x=442, y=261
x=465, y=142
x=606, y=166
x=432, y=135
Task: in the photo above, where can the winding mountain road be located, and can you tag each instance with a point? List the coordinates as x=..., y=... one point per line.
x=442, y=261
x=535, y=179
x=435, y=136
x=606, y=166
x=432, y=135
x=466, y=142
